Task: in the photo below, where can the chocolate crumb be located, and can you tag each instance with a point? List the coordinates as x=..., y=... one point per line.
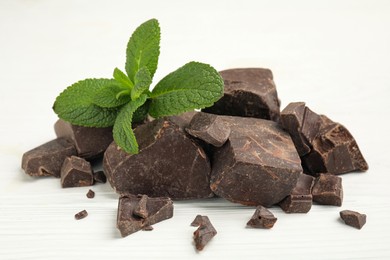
x=204, y=233
x=262, y=218
x=147, y=228
x=82, y=214
x=90, y=194
x=353, y=218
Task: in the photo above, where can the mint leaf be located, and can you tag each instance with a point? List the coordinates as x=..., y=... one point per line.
x=76, y=105
x=143, y=49
x=142, y=81
x=141, y=113
x=195, y=85
x=122, y=78
x=123, y=132
x=107, y=96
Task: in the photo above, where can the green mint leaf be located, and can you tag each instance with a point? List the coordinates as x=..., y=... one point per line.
x=109, y=96
x=76, y=105
x=141, y=113
x=142, y=81
x=122, y=78
x=123, y=132
x=195, y=85
x=143, y=49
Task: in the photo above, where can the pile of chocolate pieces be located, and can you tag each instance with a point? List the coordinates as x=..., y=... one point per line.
x=243, y=149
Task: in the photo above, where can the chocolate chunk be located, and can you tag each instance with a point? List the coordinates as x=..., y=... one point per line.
x=82, y=214
x=90, y=142
x=99, y=176
x=209, y=128
x=300, y=199
x=249, y=92
x=262, y=218
x=47, y=159
x=353, y=218
x=158, y=209
x=169, y=163
x=324, y=146
x=204, y=233
x=76, y=172
x=90, y=194
x=258, y=165
x=334, y=151
x=302, y=124
x=328, y=190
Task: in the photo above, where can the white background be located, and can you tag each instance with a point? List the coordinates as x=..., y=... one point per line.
x=334, y=55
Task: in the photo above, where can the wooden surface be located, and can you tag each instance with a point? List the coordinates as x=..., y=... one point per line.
x=334, y=55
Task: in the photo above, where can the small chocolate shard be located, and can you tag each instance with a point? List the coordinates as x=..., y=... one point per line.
x=47, y=159
x=141, y=210
x=262, y=218
x=80, y=215
x=147, y=228
x=353, y=218
x=129, y=222
x=248, y=92
x=99, y=176
x=328, y=190
x=90, y=194
x=209, y=128
x=90, y=142
x=76, y=172
x=169, y=163
x=300, y=200
x=258, y=165
x=204, y=233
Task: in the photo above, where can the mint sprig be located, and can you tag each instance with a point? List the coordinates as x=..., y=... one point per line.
x=126, y=99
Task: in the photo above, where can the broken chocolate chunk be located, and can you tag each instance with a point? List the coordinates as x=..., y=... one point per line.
x=141, y=210
x=169, y=164
x=334, y=151
x=209, y=128
x=328, y=190
x=204, y=233
x=90, y=142
x=248, y=92
x=99, y=176
x=324, y=146
x=47, y=159
x=90, y=194
x=76, y=172
x=262, y=218
x=302, y=124
x=156, y=210
x=300, y=199
x=258, y=165
x=82, y=214
x=353, y=218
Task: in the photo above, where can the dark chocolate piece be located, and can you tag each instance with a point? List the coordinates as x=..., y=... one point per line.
x=147, y=228
x=328, y=190
x=248, y=92
x=324, y=146
x=204, y=233
x=158, y=209
x=90, y=142
x=259, y=165
x=90, y=194
x=76, y=172
x=169, y=164
x=262, y=218
x=140, y=210
x=334, y=151
x=302, y=124
x=82, y=214
x=47, y=159
x=300, y=199
x=99, y=176
x=209, y=128
x=353, y=218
